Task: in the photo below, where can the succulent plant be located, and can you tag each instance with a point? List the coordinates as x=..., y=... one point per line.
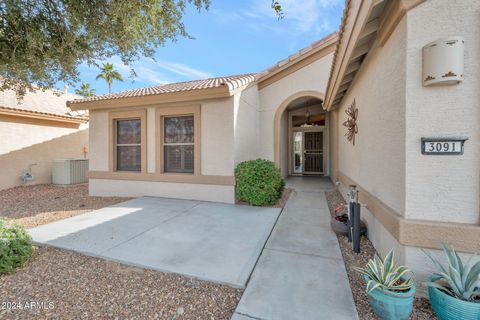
x=456, y=279
x=385, y=274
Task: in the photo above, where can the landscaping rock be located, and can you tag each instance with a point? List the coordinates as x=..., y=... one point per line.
x=67, y=285
x=36, y=205
x=421, y=308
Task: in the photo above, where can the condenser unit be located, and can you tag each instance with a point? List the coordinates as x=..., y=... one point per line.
x=69, y=171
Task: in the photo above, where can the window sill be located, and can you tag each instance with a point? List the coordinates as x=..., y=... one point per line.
x=163, y=177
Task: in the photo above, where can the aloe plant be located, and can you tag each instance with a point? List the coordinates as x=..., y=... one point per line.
x=385, y=274
x=456, y=279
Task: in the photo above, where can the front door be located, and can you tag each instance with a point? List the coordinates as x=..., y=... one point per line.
x=313, y=152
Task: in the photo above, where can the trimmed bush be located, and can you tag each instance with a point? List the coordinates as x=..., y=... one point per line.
x=259, y=182
x=15, y=246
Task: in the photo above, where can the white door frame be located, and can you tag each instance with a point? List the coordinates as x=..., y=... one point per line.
x=326, y=141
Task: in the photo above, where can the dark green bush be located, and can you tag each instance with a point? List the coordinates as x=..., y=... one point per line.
x=15, y=246
x=259, y=182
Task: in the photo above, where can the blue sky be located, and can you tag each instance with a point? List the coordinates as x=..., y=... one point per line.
x=232, y=37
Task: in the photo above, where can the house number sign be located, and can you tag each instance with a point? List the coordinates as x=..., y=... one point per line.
x=443, y=146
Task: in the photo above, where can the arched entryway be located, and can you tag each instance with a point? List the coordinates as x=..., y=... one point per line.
x=301, y=135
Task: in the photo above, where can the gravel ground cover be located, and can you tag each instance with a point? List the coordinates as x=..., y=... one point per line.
x=60, y=284
x=68, y=285
x=35, y=205
x=421, y=309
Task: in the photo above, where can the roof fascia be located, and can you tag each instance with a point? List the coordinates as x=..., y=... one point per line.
x=296, y=64
x=181, y=96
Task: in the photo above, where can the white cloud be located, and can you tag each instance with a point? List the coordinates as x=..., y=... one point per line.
x=183, y=70
x=157, y=72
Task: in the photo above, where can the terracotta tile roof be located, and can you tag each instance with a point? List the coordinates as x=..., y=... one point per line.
x=72, y=115
x=230, y=82
x=42, y=102
x=297, y=56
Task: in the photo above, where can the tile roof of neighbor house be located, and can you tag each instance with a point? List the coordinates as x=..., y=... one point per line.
x=48, y=102
x=231, y=82
x=82, y=117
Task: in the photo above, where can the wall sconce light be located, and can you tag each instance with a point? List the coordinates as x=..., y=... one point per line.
x=443, y=61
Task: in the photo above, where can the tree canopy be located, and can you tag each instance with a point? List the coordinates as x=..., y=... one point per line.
x=43, y=42
x=85, y=90
x=108, y=73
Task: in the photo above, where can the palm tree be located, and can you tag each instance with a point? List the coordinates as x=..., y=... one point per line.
x=85, y=90
x=109, y=74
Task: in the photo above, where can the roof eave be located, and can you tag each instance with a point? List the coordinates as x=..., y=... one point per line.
x=355, y=17
x=357, y=25
x=41, y=115
x=180, y=96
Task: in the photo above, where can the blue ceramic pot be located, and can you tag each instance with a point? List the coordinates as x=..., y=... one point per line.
x=391, y=305
x=449, y=308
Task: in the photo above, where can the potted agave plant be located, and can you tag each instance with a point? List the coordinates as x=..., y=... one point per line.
x=454, y=290
x=390, y=291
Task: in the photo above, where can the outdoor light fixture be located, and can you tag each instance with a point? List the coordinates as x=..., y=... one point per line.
x=443, y=61
x=307, y=115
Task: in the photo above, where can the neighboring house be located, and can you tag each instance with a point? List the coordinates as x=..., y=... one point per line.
x=184, y=140
x=34, y=131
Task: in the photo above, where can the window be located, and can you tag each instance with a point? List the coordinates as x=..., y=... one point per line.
x=179, y=144
x=128, y=149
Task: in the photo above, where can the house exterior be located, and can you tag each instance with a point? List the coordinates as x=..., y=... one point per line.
x=35, y=130
x=184, y=140
x=412, y=199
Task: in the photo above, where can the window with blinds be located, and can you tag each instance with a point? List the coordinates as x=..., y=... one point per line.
x=128, y=145
x=178, y=144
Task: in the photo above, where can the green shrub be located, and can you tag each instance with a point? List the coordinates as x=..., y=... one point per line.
x=457, y=279
x=15, y=246
x=259, y=182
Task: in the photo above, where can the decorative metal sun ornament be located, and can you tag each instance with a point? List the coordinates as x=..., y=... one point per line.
x=351, y=123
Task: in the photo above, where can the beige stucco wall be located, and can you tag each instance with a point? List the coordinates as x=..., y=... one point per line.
x=12, y=164
x=128, y=188
x=396, y=111
x=284, y=144
x=217, y=137
x=217, y=156
x=247, y=124
x=98, y=141
x=444, y=188
x=333, y=138
x=377, y=161
x=313, y=77
x=17, y=135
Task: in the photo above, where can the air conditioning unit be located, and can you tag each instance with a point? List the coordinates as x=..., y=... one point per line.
x=69, y=171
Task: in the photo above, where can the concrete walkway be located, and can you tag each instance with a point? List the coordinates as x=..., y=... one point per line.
x=301, y=273
x=209, y=241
